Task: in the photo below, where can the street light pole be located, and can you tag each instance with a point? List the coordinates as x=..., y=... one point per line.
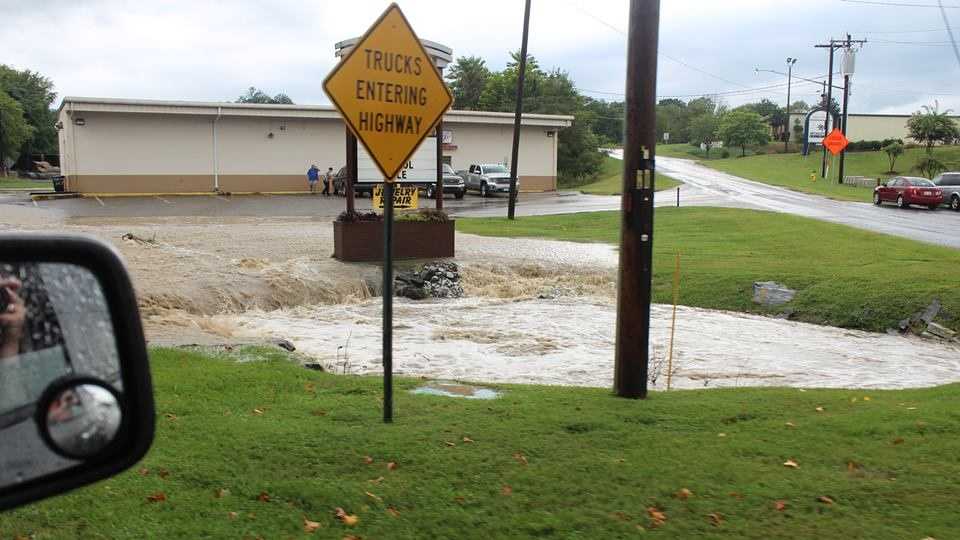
x=786, y=139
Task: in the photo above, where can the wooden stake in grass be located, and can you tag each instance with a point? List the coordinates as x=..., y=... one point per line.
x=673, y=322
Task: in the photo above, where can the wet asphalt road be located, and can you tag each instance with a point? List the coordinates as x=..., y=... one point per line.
x=702, y=187
x=934, y=226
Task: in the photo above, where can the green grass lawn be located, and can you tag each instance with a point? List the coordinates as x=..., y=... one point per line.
x=611, y=180
x=545, y=462
x=793, y=170
x=13, y=182
x=842, y=274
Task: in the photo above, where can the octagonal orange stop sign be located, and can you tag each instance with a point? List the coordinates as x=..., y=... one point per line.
x=835, y=142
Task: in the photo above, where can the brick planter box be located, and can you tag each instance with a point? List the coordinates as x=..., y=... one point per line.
x=363, y=241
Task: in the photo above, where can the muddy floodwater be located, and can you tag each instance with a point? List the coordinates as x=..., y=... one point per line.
x=569, y=341
x=536, y=311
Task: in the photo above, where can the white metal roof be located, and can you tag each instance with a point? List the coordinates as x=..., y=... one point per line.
x=207, y=108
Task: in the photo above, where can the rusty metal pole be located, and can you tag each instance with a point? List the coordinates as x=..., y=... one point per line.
x=351, y=169
x=518, y=112
x=636, y=218
x=440, y=158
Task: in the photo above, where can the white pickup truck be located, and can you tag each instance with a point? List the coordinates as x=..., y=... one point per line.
x=487, y=178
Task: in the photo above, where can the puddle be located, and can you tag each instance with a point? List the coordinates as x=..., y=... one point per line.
x=456, y=390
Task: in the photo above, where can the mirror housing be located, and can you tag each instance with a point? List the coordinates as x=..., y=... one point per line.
x=132, y=437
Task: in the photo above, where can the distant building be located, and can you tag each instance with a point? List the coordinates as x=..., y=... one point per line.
x=147, y=146
x=871, y=127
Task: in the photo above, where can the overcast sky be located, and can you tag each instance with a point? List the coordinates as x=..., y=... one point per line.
x=206, y=50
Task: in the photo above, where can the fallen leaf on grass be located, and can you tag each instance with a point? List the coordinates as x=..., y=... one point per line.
x=853, y=466
x=367, y=459
x=393, y=511
x=376, y=480
x=310, y=526
x=819, y=409
x=824, y=499
x=468, y=440
x=347, y=519
x=170, y=416
x=392, y=466
x=790, y=424
x=448, y=443
x=163, y=474
x=506, y=490
x=721, y=434
x=780, y=506
x=144, y=471
x=520, y=458
x=735, y=495
x=791, y=464
x=351, y=537
x=310, y=387
x=157, y=497
x=866, y=398
x=911, y=408
x=258, y=411
x=372, y=496
x=716, y=519
x=657, y=517
x=264, y=497
x=221, y=493
x=898, y=440
x=460, y=499
x=683, y=494
x=233, y=515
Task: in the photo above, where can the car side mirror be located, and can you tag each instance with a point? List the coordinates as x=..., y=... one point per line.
x=76, y=400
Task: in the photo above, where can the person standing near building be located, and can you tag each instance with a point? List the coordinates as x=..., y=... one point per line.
x=328, y=181
x=313, y=176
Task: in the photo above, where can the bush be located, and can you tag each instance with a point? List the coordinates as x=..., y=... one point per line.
x=428, y=215
x=929, y=166
x=354, y=217
x=724, y=153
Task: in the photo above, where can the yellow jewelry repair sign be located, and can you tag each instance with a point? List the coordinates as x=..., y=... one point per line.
x=404, y=197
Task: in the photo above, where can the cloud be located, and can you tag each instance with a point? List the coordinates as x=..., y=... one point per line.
x=209, y=50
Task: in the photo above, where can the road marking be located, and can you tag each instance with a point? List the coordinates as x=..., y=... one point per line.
x=162, y=199
x=99, y=201
x=35, y=203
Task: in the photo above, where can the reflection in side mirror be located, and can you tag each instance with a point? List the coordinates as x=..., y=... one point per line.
x=79, y=418
x=76, y=403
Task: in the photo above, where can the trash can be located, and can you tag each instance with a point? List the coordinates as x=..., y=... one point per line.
x=58, y=184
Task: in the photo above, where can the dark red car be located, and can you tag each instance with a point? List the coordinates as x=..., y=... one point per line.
x=907, y=190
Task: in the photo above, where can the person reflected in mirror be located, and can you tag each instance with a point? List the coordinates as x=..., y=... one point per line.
x=13, y=317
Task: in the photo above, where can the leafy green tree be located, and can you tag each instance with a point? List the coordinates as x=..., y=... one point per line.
x=799, y=106
x=930, y=126
x=703, y=130
x=255, y=95
x=743, y=128
x=893, y=151
x=608, y=120
x=672, y=118
x=14, y=129
x=35, y=94
x=467, y=78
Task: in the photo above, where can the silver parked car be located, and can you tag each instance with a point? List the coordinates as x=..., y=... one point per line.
x=950, y=183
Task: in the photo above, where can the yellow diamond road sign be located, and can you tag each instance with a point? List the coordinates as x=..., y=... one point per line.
x=388, y=91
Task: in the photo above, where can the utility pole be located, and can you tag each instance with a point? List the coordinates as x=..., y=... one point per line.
x=351, y=180
x=518, y=111
x=636, y=216
x=848, y=68
x=786, y=139
x=833, y=46
x=439, y=134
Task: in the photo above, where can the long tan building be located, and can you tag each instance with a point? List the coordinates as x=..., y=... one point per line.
x=147, y=146
x=873, y=127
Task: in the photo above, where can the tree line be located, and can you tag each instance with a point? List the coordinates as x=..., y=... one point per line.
x=26, y=117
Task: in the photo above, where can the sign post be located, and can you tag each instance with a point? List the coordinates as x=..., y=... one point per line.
x=391, y=96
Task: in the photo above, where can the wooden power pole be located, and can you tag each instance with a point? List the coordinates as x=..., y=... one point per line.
x=636, y=218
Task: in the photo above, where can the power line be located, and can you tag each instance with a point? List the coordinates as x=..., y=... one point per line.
x=667, y=56
x=921, y=43
x=946, y=23
x=902, y=31
x=895, y=4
